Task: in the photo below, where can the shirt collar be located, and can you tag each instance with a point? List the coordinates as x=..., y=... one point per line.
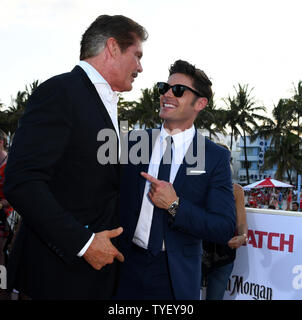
x=98, y=80
x=92, y=73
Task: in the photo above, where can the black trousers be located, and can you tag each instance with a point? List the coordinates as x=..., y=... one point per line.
x=144, y=276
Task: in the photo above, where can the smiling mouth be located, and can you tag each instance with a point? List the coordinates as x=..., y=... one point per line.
x=169, y=106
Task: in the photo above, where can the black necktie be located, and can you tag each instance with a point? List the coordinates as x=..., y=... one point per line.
x=157, y=228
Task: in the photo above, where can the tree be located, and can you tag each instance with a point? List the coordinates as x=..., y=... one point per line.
x=126, y=111
x=210, y=118
x=145, y=113
x=242, y=116
x=280, y=125
x=286, y=156
x=229, y=118
x=18, y=104
x=284, y=146
x=296, y=105
x=148, y=108
x=3, y=119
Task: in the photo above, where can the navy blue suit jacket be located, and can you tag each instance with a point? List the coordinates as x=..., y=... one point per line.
x=206, y=212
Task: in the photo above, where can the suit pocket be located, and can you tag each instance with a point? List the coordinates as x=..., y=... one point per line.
x=192, y=249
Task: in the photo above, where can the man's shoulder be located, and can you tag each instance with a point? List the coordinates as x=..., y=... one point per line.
x=213, y=147
x=54, y=86
x=67, y=77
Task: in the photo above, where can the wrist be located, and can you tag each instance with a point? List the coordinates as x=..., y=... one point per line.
x=172, y=209
x=244, y=236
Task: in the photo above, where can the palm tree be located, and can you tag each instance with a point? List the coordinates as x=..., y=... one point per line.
x=148, y=108
x=126, y=111
x=280, y=125
x=284, y=146
x=145, y=113
x=296, y=104
x=243, y=117
x=210, y=118
x=18, y=104
x=3, y=119
x=286, y=156
x=229, y=118
x=16, y=109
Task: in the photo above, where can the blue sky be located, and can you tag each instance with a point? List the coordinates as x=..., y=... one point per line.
x=255, y=42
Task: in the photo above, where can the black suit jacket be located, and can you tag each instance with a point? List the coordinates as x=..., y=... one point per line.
x=55, y=182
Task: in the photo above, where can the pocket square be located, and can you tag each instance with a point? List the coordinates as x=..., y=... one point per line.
x=195, y=172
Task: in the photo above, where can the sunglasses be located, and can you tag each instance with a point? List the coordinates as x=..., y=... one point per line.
x=177, y=89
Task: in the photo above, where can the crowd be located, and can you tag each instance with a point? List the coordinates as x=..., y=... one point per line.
x=273, y=198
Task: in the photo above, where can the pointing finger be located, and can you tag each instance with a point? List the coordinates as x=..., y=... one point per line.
x=149, y=177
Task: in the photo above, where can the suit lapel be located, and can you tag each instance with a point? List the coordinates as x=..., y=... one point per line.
x=98, y=101
x=144, y=166
x=93, y=92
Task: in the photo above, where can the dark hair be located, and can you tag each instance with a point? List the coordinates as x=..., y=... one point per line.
x=200, y=80
x=296, y=203
x=123, y=29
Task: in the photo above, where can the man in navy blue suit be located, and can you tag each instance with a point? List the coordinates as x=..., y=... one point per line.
x=180, y=196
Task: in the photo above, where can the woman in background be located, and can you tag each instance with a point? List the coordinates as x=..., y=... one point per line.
x=218, y=259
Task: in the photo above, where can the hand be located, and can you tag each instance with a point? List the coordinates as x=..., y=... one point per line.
x=161, y=193
x=101, y=251
x=237, y=241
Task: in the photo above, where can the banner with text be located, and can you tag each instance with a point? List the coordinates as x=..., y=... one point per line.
x=269, y=267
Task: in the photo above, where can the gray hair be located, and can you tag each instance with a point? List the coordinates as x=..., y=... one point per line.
x=123, y=29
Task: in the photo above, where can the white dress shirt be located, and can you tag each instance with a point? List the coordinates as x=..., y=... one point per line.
x=180, y=146
x=110, y=99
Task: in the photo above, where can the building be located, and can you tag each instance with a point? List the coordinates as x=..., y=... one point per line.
x=255, y=156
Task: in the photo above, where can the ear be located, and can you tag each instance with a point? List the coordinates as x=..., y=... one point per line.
x=200, y=104
x=112, y=47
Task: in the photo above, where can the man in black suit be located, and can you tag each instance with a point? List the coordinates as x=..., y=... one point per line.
x=56, y=179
